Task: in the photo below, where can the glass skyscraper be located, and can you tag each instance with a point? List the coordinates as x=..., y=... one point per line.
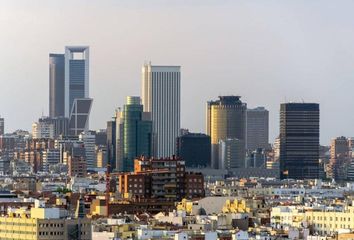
x=299, y=140
x=226, y=119
x=56, y=85
x=76, y=76
x=134, y=134
x=69, y=88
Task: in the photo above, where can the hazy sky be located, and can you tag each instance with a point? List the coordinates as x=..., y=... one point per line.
x=266, y=51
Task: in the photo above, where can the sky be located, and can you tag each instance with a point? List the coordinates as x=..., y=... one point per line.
x=269, y=52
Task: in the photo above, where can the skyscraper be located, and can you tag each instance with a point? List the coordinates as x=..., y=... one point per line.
x=299, y=140
x=257, y=128
x=340, y=158
x=76, y=76
x=161, y=97
x=226, y=119
x=111, y=143
x=2, y=126
x=69, y=88
x=56, y=85
x=89, y=140
x=194, y=149
x=134, y=134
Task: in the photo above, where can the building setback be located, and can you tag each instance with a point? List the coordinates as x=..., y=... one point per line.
x=299, y=140
x=161, y=97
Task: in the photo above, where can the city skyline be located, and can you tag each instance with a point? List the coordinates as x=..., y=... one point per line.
x=311, y=60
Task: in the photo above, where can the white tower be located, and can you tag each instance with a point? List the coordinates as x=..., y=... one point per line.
x=161, y=94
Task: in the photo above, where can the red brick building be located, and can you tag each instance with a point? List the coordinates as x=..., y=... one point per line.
x=161, y=179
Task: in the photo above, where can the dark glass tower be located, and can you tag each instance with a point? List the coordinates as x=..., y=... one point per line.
x=56, y=85
x=299, y=140
x=111, y=143
x=194, y=149
x=135, y=135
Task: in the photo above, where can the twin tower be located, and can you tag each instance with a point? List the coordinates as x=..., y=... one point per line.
x=69, y=88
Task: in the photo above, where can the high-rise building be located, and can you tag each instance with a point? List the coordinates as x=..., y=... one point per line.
x=76, y=75
x=77, y=164
x=2, y=126
x=89, y=140
x=69, y=88
x=194, y=149
x=134, y=134
x=299, y=140
x=50, y=157
x=111, y=143
x=340, y=158
x=257, y=128
x=56, y=85
x=161, y=90
x=226, y=118
x=60, y=124
x=42, y=129
x=256, y=158
x=231, y=153
x=79, y=117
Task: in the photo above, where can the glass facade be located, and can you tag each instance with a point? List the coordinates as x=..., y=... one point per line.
x=299, y=140
x=226, y=118
x=136, y=134
x=56, y=85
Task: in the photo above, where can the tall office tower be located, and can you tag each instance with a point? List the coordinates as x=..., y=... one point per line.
x=134, y=133
x=257, y=128
x=69, y=88
x=2, y=126
x=299, y=140
x=226, y=118
x=111, y=143
x=194, y=149
x=161, y=90
x=79, y=117
x=89, y=140
x=231, y=153
x=76, y=76
x=77, y=101
x=340, y=158
x=56, y=85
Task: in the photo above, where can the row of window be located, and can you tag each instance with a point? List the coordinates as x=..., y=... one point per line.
x=330, y=218
x=331, y=226
x=51, y=233
x=18, y=224
x=41, y=225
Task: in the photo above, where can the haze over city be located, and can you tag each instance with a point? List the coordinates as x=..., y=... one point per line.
x=268, y=52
